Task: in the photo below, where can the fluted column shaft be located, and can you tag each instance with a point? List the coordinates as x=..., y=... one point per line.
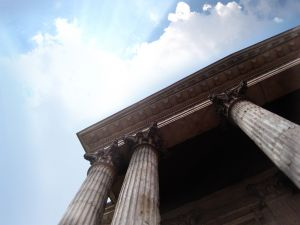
x=88, y=205
x=277, y=137
x=138, y=202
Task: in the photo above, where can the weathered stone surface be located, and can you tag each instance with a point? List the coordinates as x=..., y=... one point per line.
x=277, y=137
x=246, y=64
x=88, y=205
x=138, y=201
x=225, y=100
x=266, y=199
x=110, y=156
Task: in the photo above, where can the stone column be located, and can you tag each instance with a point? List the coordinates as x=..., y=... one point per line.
x=88, y=205
x=277, y=137
x=138, y=202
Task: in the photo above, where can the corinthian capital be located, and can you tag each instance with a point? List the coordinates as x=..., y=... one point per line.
x=110, y=156
x=225, y=100
x=149, y=137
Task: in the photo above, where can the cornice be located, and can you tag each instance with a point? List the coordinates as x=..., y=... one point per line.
x=191, y=91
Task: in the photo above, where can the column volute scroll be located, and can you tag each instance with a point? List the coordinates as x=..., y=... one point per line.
x=225, y=100
x=149, y=137
x=110, y=156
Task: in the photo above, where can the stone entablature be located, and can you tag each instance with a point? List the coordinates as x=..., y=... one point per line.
x=246, y=65
x=268, y=70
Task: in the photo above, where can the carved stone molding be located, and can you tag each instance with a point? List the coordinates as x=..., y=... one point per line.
x=249, y=208
x=110, y=156
x=247, y=214
x=271, y=187
x=190, y=91
x=225, y=100
x=148, y=137
x=138, y=201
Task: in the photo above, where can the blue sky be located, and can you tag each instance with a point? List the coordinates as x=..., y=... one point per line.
x=65, y=65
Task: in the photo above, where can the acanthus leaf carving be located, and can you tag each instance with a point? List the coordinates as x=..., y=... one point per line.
x=151, y=137
x=110, y=156
x=225, y=100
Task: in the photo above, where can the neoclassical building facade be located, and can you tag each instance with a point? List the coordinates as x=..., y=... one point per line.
x=219, y=147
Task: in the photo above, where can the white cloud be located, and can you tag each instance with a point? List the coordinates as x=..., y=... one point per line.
x=154, y=17
x=227, y=10
x=89, y=82
x=74, y=71
x=278, y=19
x=206, y=7
x=183, y=12
x=38, y=38
x=70, y=81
